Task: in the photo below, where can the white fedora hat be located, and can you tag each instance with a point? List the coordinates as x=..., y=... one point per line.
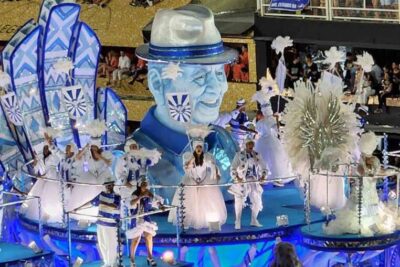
x=186, y=35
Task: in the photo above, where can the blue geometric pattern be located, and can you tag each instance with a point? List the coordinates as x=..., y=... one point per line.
x=113, y=112
x=179, y=107
x=86, y=55
x=29, y=59
x=9, y=149
x=74, y=101
x=61, y=22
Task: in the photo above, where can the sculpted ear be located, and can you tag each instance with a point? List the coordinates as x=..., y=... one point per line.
x=156, y=85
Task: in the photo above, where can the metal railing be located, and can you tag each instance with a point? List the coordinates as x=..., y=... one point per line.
x=349, y=10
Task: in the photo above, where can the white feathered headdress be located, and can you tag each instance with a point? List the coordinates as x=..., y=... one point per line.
x=128, y=144
x=146, y=154
x=368, y=143
x=96, y=129
x=198, y=133
x=366, y=61
x=280, y=43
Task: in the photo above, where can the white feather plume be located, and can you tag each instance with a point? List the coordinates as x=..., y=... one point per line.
x=294, y=118
x=152, y=154
x=262, y=96
x=333, y=56
x=95, y=128
x=50, y=131
x=366, y=61
x=280, y=43
x=368, y=143
x=5, y=79
x=172, y=71
x=63, y=66
x=198, y=131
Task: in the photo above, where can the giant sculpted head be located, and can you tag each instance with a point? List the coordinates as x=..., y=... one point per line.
x=186, y=60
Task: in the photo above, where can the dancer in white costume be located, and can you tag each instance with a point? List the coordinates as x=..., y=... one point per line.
x=202, y=204
x=270, y=147
x=127, y=170
x=248, y=166
x=92, y=166
x=376, y=217
x=46, y=165
x=67, y=159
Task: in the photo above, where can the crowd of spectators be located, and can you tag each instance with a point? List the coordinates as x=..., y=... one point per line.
x=144, y=3
x=125, y=66
x=239, y=71
x=382, y=82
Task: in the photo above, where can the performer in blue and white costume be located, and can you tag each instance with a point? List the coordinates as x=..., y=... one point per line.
x=91, y=166
x=248, y=166
x=239, y=129
x=107, y=226
x=185, y=94
x=127, y=170
x=143, y=201
x=46, y=164
x=201, y=204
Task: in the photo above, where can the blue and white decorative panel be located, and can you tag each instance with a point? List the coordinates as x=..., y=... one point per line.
x=57, y=43
x=15, y=40
x=85, y=59
x=114, y=113
x=179, y=106
x=24, y=74
x=9, y=150
x=75, y=101
x=11, y=108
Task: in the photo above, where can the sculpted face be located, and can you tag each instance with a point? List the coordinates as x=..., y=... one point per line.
x=205, y=84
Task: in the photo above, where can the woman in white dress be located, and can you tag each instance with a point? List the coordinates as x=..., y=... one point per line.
x=46, y=165
x=202, y=204
x=92, y=166
x=270, y=147
x=376, y=217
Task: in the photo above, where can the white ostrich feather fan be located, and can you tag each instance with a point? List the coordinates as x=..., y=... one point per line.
x=319, y=128
x=368, y=143
x=51, y=132
x=268, y=83
x=152, y=154
x=96, y=128
x=198, y=131
x=366, y=61
x=280, y=43
x=333, y=56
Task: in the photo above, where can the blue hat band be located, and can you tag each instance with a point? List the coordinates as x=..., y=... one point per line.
x=186, y=51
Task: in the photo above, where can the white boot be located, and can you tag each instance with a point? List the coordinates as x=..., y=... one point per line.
x=238, y=212
x=238, y=224
x=254, y=221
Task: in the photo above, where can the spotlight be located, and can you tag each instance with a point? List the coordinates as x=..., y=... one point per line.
x=168, y=257
x=78, y=262
x=34, y=247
